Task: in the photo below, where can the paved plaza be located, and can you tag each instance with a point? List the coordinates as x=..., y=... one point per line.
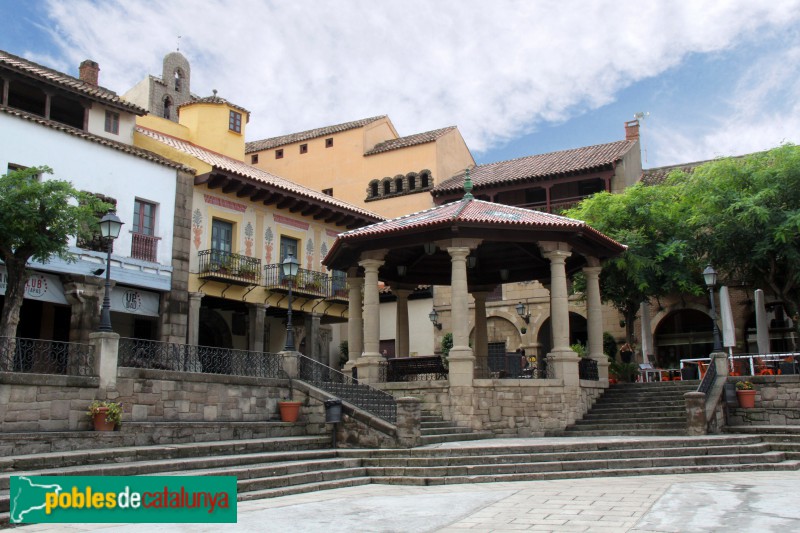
x=752, y=502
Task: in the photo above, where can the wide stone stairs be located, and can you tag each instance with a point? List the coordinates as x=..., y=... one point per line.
x=273, y=467
x=436, y=429
x=631, y=409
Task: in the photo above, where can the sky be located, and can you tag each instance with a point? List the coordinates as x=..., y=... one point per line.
x=711, y=78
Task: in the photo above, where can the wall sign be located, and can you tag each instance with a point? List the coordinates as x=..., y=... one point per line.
x=134, y=301
x=39, y=286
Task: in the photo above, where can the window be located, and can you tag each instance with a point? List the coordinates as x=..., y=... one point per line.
x=178, y=81
x=254, y=159
x=329, y=143
x=329, y=192
x=412, y=182
x=235, y=121
x=288, y=246
x=279, y=153
x=13, y=167
x=387, y=186
x=398, y=184
x=221, y=236
x=303, y=148
x=424, y=178
x=373, y=189
x=167, y=107
x=144, y=243
x=112, y=122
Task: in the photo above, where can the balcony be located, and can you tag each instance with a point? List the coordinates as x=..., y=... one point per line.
x=144, y=247
x=307, y=282
x=230, y=268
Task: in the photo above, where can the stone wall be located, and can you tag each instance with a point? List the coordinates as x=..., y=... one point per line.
x=505, y=407
x=777, y=402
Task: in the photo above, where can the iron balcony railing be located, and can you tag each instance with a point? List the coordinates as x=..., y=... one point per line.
x=708, y=379
x=308, y=283
x=587, y=369
x=366, y=398
x=144, y=247
x=140, y=353
x=230, y=267
x=46, y=357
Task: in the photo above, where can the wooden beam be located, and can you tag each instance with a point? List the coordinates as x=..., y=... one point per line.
x=246, y=190
x=259, y=195
x=232, y=186
x=272, y=198
x=301, y=204
x=311, y=209
x=287, y=202
x=335, y=217
x=217, y=181
x=324, y=212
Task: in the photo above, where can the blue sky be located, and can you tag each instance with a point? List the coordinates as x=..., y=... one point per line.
x=518, y=78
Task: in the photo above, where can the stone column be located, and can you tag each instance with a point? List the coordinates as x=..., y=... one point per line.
x=594, y=310
x=312, y=337
x=193, y=331
x=481, y=344
x=561, y=358
x=256, y=333
x=401, y=323
x=355, y=324
x=371, y=360
x=462, y=360
x=106, y=356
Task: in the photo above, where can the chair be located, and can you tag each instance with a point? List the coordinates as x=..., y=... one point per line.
x=702, y=367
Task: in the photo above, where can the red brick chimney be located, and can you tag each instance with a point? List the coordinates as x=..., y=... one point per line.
x=632, y=130
x=89, y=72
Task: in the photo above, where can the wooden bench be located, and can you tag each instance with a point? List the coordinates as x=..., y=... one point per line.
x=411, y=368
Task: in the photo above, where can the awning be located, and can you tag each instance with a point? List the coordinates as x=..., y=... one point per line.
x=134, y=301
x=40, y=286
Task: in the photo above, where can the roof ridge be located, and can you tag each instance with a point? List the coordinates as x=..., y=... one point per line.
x=621, y=141
x=311, y=133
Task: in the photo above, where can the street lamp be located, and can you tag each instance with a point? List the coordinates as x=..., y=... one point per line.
x=434, y=317
x=523, y=312
x=710, y=275
x=110, y=225
x=290, y=266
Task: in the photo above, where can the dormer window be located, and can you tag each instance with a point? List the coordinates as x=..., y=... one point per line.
x=235, y=122
x=112, y=122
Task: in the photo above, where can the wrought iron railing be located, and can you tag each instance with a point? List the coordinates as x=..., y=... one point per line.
x=226, y=266
x=337, y=286
x=140, y=353
x=144, y=247
x=306, y=282
x=708, y=379
x=587, y=369
x=366, y=398
x=46, y=357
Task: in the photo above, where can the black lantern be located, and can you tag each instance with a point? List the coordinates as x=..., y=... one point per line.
x=434, y=316
x=710, y=275
x=290, y=267
x=110, y=226
x=523, y=312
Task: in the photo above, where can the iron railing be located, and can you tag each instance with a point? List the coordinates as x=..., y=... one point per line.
x=226, y=266
x=144, y=247
x=366, y=398
x=140, y=353
x=708, y=379
x=46, y=357
x=306, y=282
x=587, y=369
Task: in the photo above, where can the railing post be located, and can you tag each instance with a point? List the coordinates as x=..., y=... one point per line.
x=290, y=361
x=106, y=356
x=696, y=421
x=409, y=414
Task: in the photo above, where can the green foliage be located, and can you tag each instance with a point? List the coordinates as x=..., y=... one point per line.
x=344, y=353
x=624, y=372
x=114, y=413
x=37, y=218
x=744, y=385
x=447, y=343
x=609, y=345
x=579, y=348
x=744, y=215
x=659, y=260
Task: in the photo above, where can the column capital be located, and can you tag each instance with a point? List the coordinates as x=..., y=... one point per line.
x=371, y=264
x=458, y=252
x=377, y=255
x=552, y=249
x=592, y=271
x=480, y=295
x=196, y=295
x=401, y=293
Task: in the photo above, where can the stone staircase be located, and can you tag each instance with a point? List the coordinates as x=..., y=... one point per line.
x=630, y=409
x=436, y=430
x=273, y=467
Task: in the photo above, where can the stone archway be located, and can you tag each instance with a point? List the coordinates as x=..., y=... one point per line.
x=578, y=333
x=214, y=332
x=682, y=333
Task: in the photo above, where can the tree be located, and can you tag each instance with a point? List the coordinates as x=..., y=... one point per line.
x=37, y=217
x=744, y=214
x=659, y=260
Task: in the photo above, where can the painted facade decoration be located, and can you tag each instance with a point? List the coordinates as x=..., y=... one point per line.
x=197, y=228
x=248, y=240
x=310, y=254
x=268, y=245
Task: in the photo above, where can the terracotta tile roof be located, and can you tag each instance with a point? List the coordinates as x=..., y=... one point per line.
x=472, y=212
x=411, y=140
x=244, y=170
x=538, y=167
x=116, y=145
x=64, y=81
x=274, y=142
x=215, y=100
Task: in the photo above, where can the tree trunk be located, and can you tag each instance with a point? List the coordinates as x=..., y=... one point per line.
x=15, y=292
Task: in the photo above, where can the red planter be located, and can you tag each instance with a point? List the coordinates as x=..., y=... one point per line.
x=747, y=398
x=290, y=411
x=99, y=420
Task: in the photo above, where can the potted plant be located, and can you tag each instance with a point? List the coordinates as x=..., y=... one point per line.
x=746, y=394
x=105, y=414
x=290, y=410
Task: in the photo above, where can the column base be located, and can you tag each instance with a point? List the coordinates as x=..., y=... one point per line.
x=461, y=363
x=370, y=368
x=565, y=365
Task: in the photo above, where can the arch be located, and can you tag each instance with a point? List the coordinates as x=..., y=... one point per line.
x=682, y=332
x=387, y=186
x=178, y=77
x=398, y=183
x=373, y=189
x=425, y=178
x=412, y=180
x=578, y=332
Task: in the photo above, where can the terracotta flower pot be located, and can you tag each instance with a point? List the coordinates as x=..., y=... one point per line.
x=747, y=398
x=290, y=411
x=99, y=420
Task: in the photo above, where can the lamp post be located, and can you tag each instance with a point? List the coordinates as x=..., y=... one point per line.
x=290, y=266
x=110, y=225
x=710, y=276
x=434, y=317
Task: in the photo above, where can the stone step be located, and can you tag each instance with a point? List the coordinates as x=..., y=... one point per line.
x=304, y=488
x=454, y=437
x=625, y=411
x=626, y=432
x=633, y=421
x=452, y=430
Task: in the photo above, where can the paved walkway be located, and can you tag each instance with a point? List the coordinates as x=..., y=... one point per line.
x=752, y=502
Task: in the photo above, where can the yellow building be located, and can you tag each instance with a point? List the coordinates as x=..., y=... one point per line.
x=244, y=222
x=366, y=163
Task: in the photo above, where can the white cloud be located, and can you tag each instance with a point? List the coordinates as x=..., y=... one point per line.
x=496, y=69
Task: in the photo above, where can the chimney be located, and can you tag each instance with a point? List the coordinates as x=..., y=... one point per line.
x=632, y=130
x=89, y=72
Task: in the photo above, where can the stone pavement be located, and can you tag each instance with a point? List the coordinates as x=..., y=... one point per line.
x=754, y=502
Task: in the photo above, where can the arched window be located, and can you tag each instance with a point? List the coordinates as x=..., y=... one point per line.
x=373, y=189
x=425, y=178
x=167, y=107
x=178, y=80
x=398, y=184
x=412, y=181
x=387, y=186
